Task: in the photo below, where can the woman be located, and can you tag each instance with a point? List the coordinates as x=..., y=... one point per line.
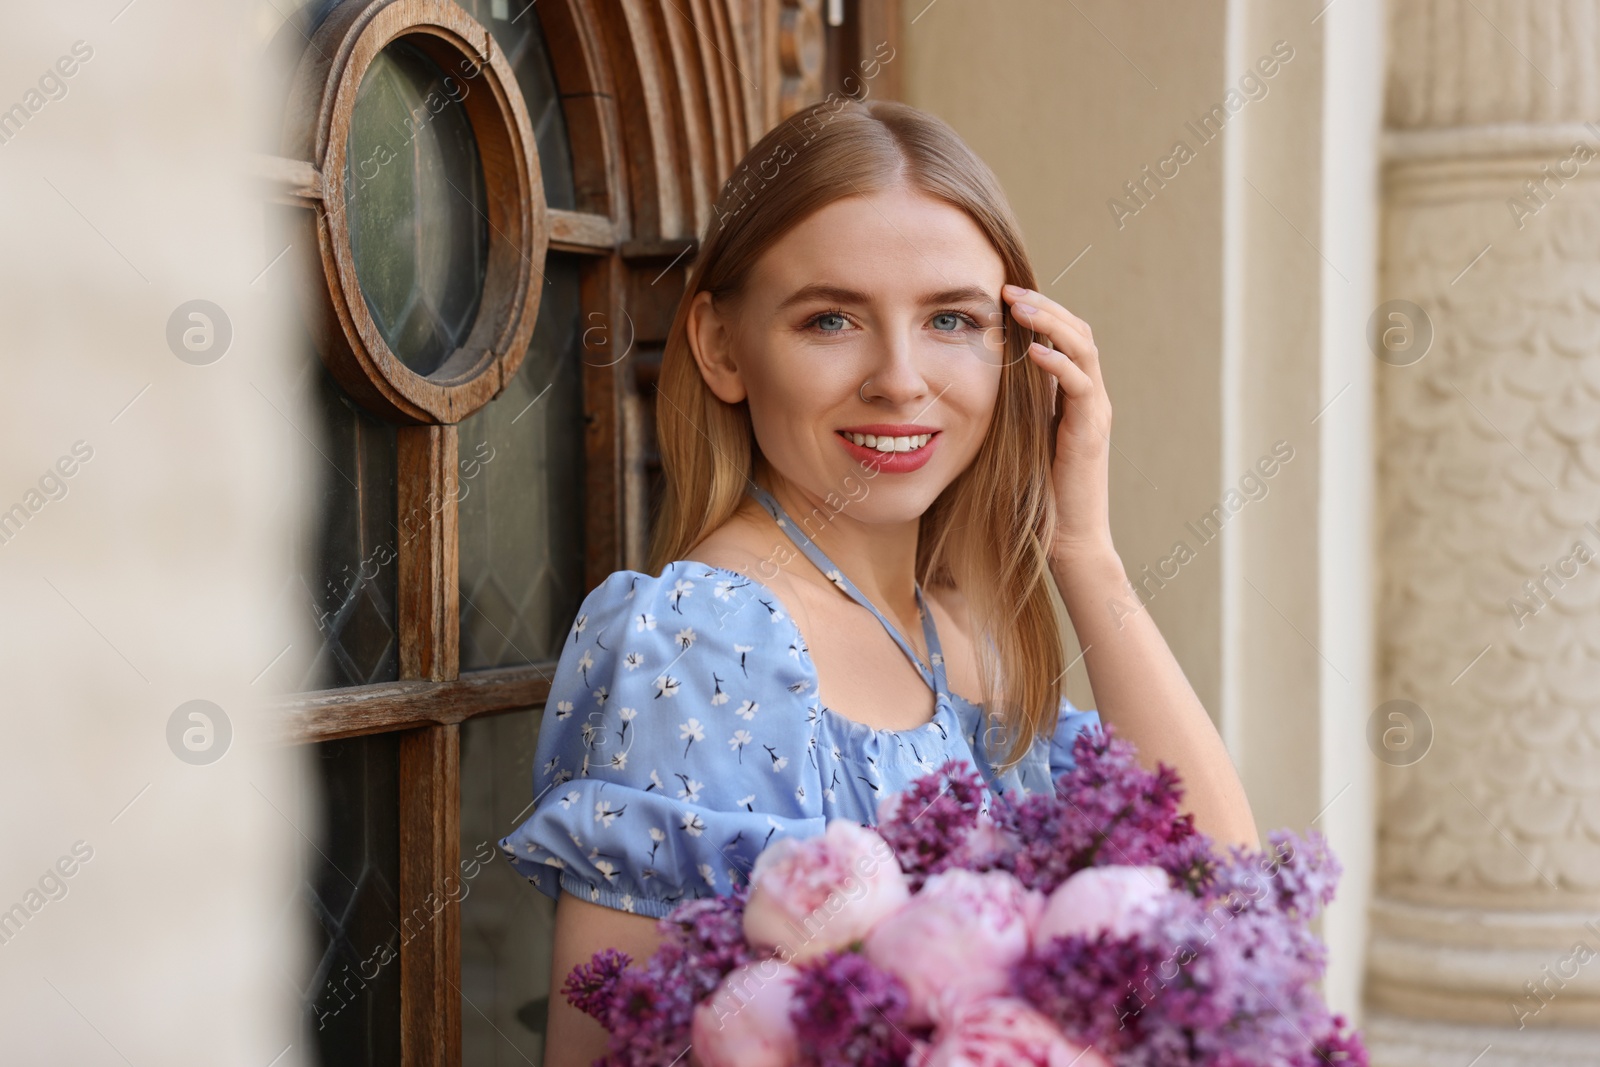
x=882, y=450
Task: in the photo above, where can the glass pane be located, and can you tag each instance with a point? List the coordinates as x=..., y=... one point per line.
x=352, y=996
x=349, y=584
x=415, y=198
x=506, y=925
x=521, y=495
x=515, y=27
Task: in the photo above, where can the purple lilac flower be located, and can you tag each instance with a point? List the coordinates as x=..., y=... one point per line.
x=927, y=823
x=849, y=1012
x=1106, y=810
x=591, y=987
x=651, y=1008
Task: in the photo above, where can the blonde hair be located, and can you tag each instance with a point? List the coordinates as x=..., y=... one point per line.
x=987, y=533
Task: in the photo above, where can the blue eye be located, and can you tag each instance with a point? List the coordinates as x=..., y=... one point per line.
x=960, y=319
x=827, y=316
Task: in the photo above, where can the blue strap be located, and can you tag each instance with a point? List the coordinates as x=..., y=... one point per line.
x=936, y=677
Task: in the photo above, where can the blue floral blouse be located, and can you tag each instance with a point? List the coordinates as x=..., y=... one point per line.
x=683, y=734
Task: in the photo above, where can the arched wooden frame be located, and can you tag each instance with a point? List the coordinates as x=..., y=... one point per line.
x=325, y=86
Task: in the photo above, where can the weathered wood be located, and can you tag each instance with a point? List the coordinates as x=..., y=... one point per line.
x=384, y=706
x=430, y=892
x=293, y=182
x=579, y=231
x=429, y=563
x=317, y=132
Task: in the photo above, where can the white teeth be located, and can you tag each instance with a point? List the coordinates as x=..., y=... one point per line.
x=890, y=444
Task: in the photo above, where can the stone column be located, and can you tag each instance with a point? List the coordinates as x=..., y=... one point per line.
x=1485, y=927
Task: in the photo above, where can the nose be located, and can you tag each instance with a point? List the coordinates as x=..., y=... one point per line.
x=896, y=372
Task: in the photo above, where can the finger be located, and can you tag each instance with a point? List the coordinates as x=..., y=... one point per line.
x=1073, y=380
x=1045, y=303
x=1079, y=347
x=1051, y=318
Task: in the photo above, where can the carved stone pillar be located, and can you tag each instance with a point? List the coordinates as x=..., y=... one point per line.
x=1486, y=919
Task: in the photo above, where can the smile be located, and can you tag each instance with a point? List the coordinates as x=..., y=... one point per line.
x=888, y=444
x=890, y=454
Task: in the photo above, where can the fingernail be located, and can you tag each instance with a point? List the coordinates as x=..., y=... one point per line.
x=1027, y=309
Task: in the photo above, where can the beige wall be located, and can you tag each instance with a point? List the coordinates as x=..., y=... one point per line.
x=1230, y=310
x=153, y=580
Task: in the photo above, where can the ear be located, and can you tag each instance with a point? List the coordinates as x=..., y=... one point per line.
x=710, y=338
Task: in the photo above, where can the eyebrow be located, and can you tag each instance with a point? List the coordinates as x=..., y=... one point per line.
x=839, y=294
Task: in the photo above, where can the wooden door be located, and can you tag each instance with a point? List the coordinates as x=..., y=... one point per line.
x=493, y=205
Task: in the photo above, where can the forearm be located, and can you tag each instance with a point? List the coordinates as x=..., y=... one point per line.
x=1141, y=691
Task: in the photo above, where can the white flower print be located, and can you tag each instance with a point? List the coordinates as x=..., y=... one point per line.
x=606, y=869
x=937, y=658
x=800, y=793
x=585, y=661
x=667, y=686
x=684, y=637
x=619, y=760
x=693, y=825
x=655, y=781
x=718, y=697
x=691, y=731
x=579, y=624
x=570, y=799
x=691, y=789
x=837, y=579
x=724, y=589
x=633, y=661
x=737, y=742
x=747, y=710
x=747, y=802
x=605, y=814
x=627, y=902
x=778, y=762
x=563, y=710
x=644, y=621
x=601, y=694
x=556, y=861
x=656, y=834
x=680, y=589
x=708, y=874
x=628, y=714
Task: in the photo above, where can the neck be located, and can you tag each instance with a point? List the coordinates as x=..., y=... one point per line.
x=880, y=558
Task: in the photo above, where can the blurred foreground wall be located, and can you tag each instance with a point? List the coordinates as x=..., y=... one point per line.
x=147, y=866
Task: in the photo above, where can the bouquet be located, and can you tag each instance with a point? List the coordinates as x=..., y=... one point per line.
x=1089, y=927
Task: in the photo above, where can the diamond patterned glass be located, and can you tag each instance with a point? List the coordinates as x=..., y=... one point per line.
x=521, y=495
x=506, y=925
x=414, y=196
x=516, y=29
x=352, y=890
x=349, y=587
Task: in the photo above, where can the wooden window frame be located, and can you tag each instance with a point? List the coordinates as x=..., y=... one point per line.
x=658, y=110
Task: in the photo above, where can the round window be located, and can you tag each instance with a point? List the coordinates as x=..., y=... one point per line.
x=429, y=207
x=414, y=197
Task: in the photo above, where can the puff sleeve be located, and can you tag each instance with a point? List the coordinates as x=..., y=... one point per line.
x=1070, y=722
x=675, y=742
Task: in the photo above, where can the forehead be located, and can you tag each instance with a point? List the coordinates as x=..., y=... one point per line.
x=894, y=241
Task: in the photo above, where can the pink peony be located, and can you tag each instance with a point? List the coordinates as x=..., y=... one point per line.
x=1118, y=900
x=1003, y=1032
x=745, y=1023
x=956, y=939
x=809, y=896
